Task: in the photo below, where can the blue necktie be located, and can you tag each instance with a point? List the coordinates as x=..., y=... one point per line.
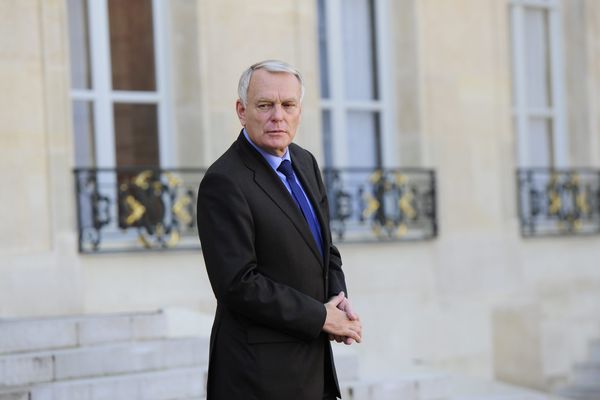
x=286, y=169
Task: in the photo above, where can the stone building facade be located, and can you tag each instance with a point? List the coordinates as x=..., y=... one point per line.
x=471, y=89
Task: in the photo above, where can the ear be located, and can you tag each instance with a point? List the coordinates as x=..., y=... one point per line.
x=241, y=112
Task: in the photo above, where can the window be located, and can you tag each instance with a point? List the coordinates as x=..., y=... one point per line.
x=117, y=82
x=538, y=93
x=353, y=92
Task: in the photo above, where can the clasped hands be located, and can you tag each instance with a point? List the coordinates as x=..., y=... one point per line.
x=342, y=323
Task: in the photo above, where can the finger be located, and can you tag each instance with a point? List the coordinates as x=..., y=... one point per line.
x=342, y=305
x=350, y=312
x=358, y=331
x=348, y=341
x=352, y=334
x=337, y=299
x=331, y=337
x=346, y=306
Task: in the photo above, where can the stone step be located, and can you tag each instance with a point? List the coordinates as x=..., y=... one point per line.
x=20, y=394
x=376, y=390
x=586, y=374
x=594, y=351
x=176, y=384
x=515, y=396
x=414, y=386
x=346, y=363
x=102, y=360
x=26, y=335
x=579, y=393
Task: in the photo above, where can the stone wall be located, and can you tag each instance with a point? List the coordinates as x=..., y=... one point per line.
x=479, y=299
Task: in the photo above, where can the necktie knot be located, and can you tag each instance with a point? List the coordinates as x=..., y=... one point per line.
x=286, y=169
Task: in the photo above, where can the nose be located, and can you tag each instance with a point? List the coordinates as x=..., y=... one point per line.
x=277, y=114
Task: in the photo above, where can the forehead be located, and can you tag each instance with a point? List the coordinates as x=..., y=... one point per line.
x=273, y=85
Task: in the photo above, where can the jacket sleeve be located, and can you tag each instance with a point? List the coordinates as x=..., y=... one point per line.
x=226, y=230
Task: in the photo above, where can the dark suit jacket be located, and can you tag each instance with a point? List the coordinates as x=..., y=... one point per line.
x=269, y=278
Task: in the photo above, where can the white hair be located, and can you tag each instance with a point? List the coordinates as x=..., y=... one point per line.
x=271, y=66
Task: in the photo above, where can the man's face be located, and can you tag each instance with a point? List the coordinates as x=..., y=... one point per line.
x=272, y=114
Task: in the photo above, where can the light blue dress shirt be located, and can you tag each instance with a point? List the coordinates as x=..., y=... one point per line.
x=274, y=162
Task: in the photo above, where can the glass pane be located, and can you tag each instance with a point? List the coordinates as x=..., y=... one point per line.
x=363, y=139
x=136, y=134
x=132, y=45
x=359, y=50
x=540, y=142
x=83, y=129
x=327, y=138
x=79, y=44
x=537, y=60
x=323, y=60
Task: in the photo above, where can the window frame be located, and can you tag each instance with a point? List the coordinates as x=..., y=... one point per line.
x=338, y=105
x=555, y=112
x=101, y=95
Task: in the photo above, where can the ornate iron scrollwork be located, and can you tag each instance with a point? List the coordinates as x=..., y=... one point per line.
x=382, y=204
x=558, y=202
x=93, y=210
x=156, y=204
x=127, y=209
x=150, y=202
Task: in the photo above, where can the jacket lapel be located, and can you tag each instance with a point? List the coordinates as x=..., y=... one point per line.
x=305, y=170
x=269, y=182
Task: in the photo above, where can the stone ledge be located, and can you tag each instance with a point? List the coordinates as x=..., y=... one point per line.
x=416, y=386
x=102, y=360
x=29, y=334
x=184, y=383
x=378, y=390
x=125, y=358
x=21, y=394
x=24, y=370
x=586, y=374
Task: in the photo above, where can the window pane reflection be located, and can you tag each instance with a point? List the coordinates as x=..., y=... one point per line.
x=83, y=129
x=363, y=139
x=540, y=142
x=79, y=44
x=359, y=50
x=327, y=137
x=324, y=61
x=132, y=45
x=136, y=134
x=537, y=58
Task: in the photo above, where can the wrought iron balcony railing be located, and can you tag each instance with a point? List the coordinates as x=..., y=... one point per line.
x=129, y=209
x=556, y=202
x=381, y=204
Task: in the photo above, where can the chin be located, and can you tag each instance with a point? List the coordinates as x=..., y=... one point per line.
x=278, y=144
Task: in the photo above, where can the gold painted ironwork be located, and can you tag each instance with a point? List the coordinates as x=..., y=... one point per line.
x=179, y=209
x=141, y=179
x=382, y=223
x=405, y=204
x=564, y=204
x=137, y=210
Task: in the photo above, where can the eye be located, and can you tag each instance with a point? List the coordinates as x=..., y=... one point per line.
x=263, y=106
x=289, y=106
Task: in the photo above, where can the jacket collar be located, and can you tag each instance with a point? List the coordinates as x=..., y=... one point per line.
x=269, y=182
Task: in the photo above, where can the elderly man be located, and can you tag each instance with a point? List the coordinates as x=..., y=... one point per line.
x=264, y=227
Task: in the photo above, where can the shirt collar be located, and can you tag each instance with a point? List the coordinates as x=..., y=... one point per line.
x=273, y=160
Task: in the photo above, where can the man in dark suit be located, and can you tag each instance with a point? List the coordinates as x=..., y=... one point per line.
x=264, y=227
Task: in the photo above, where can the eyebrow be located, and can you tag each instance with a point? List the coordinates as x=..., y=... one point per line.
x=266, y=100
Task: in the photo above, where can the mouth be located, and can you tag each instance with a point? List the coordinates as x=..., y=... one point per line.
x=276, y=132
